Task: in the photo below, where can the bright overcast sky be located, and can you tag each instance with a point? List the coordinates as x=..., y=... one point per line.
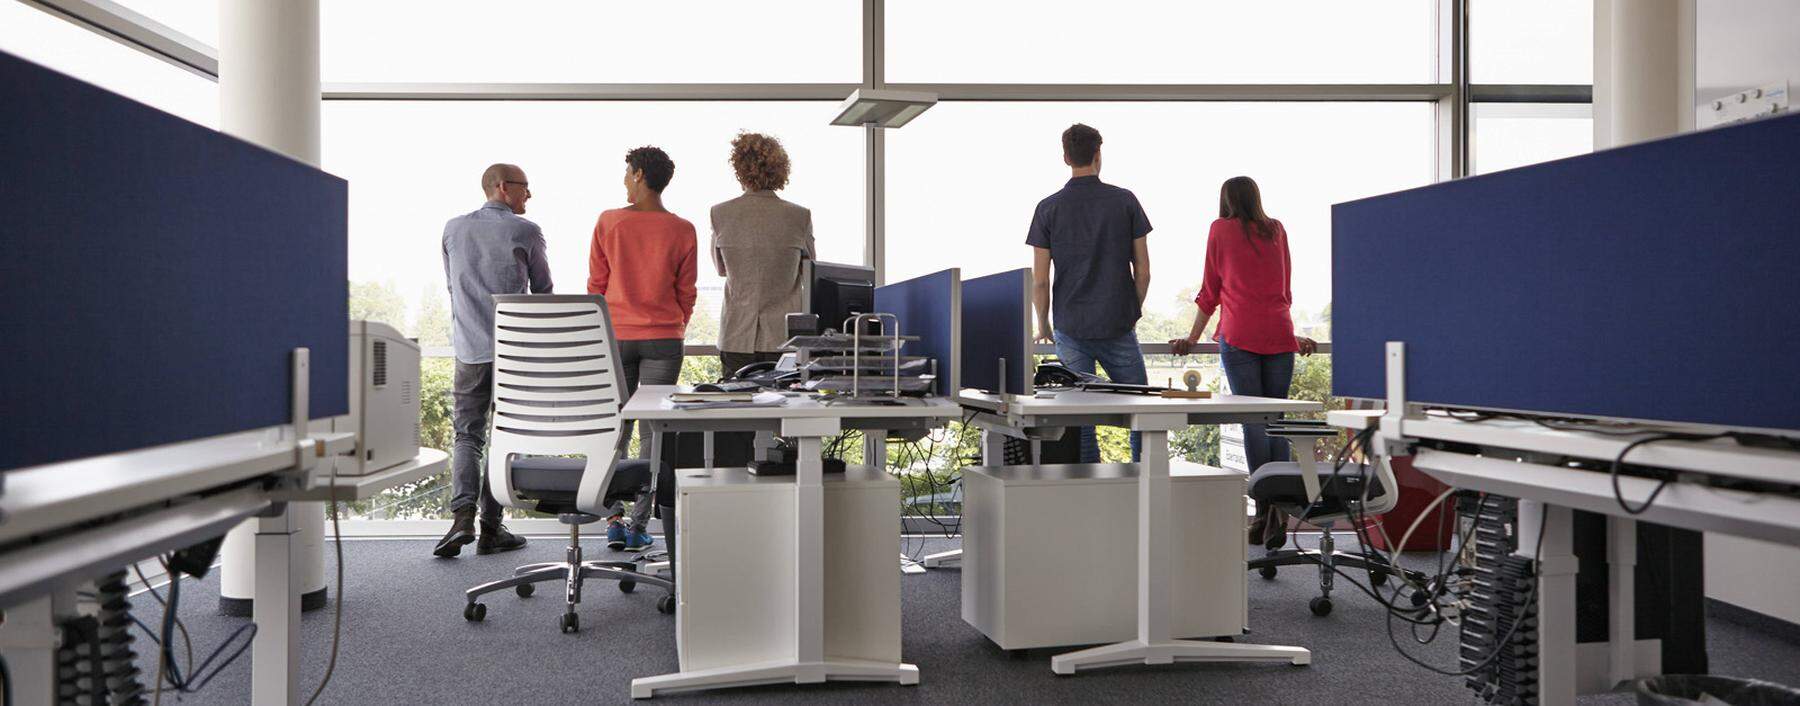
x=961, y=180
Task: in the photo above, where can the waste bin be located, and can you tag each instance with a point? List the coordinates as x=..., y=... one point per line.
x=1672, y=689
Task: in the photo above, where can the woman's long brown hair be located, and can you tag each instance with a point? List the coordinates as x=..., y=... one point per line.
x=1239, y=199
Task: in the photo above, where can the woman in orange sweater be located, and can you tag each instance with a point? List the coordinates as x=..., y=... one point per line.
x=643, y=262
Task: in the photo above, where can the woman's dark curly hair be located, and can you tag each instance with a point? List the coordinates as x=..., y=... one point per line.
x=760, y=162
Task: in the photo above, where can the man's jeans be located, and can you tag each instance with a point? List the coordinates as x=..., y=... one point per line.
x=654, y=361
x=1122, y=361
x=473, y=392
x=1258, y=375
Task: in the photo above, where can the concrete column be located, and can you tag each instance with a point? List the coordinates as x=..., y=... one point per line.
x=1643, y=70
x=269, y=74
x=269, y=95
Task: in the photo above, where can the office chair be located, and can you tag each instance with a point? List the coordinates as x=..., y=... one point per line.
x=1295, y=489
x=558, y=394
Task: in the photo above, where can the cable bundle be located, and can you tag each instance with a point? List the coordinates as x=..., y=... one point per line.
x=118, y=661
x=1499, y=625
x=95, y=664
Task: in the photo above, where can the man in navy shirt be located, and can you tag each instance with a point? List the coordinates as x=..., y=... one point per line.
x=1094, y=234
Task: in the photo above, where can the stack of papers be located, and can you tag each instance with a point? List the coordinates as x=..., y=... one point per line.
x=689, y=396
x=723, y=400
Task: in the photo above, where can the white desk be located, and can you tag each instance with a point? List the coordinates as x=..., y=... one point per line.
x=1548, y=493
x=809, y=422
x=1154, y=417
x=55, y=499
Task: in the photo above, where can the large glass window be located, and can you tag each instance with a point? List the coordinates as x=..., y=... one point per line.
x=964, y=179
x=1531, y=41
x=413, y=165
x=56, y=43
x=1154, y=41
x=592, y=42
x=1508, y=135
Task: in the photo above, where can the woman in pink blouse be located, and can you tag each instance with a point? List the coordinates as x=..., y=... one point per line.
x=1248, y=273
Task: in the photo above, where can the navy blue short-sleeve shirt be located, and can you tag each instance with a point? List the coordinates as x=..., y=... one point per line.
x=1089, y=227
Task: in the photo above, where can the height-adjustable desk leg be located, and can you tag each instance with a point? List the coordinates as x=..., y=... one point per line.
x=1155, y=528
x=275, y=651
x=993, y=453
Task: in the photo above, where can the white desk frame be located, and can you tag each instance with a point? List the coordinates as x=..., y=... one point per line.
x=1549, y=493
x=1154, y=418
x=809, y=422
x=263, y=470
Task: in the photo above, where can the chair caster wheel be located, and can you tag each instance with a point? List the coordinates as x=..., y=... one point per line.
x=1321, y=606
x=627, y=586
x=1377, y=578
x=666, y=605
x=1420, y=598
x=524, y=590
x=475, y=612
x=1267, y=572
x=569, y=623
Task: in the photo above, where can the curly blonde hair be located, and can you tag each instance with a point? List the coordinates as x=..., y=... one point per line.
x=760, y=161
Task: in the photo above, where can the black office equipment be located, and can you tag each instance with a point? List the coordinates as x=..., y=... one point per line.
x=162, y=273
x=835, y=292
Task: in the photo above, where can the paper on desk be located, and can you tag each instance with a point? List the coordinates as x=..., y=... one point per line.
x=762, y=399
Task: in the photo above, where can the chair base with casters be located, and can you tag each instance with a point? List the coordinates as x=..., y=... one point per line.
x=1329, y=560
x=1295, y=490
x=550, y=481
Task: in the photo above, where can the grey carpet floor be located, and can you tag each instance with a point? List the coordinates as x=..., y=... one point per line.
x=404, y=642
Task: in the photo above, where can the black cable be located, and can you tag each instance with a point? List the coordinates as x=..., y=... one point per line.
x=186, y=641
x=1536, y=579
x=5, y=683
x=1618, y=463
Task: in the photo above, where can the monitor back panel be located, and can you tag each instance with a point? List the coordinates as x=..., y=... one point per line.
x=928, y=307
x=1658, y=281
x=996, y=326
x=158, y=274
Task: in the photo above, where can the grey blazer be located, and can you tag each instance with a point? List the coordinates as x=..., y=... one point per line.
x=758, y=241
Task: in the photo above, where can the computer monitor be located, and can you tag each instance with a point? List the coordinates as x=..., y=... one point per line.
x=837, y=292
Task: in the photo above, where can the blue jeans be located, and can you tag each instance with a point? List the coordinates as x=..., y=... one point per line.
x=1123, y=363
x=1258, y=375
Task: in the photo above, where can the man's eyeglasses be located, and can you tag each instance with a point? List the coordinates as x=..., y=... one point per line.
x=525, y=185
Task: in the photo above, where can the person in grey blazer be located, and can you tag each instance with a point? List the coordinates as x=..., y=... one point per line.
x=758, y=243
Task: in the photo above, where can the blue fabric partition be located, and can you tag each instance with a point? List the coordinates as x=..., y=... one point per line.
x=157, y=274
x=927, y=308
x=1658, y=281
x=996, y=323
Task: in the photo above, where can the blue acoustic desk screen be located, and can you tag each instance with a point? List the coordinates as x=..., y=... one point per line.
x=1658, y=281
x=928, y=307
x=996, y=321
x=156, y=276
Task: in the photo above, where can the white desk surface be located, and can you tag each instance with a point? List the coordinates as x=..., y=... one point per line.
x=1076, y=402
x=1064, y=473
x=700, y=480
x=42, y=498
x=1720, y=456
x=648, y=405
x=363, y=487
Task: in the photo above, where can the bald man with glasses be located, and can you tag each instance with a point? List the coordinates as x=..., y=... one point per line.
x=489, y=251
